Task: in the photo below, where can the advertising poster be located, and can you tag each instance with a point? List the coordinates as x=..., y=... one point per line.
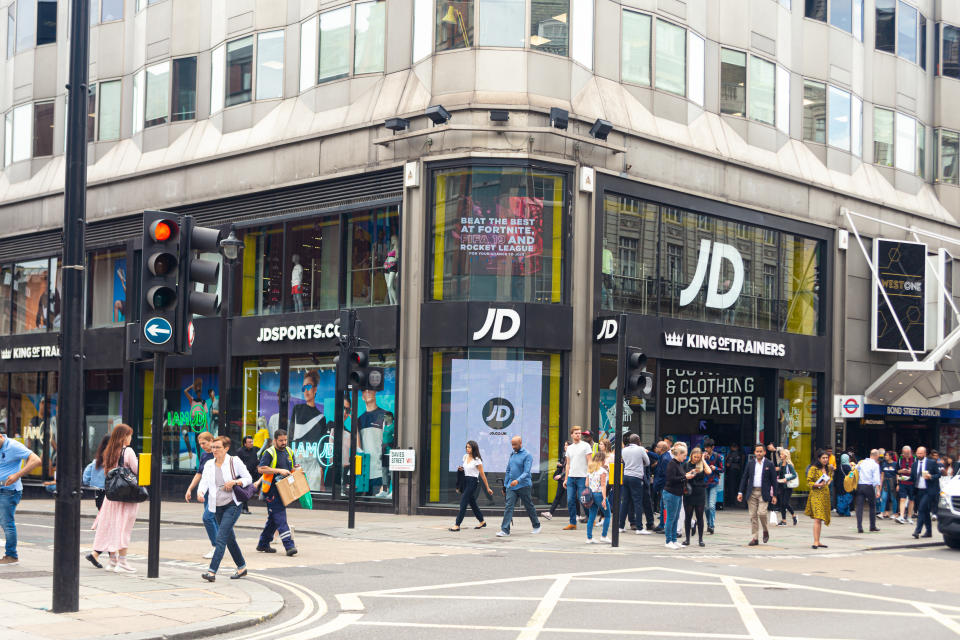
x=900, y=273
x=193, y=410
x=508, y=233
x=490, y=402
x=119, y=289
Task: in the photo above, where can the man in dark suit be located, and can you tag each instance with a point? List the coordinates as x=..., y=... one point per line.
x=925, y=474
x=757, y=485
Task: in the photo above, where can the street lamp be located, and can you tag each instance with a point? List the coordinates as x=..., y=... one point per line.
x=231, y=246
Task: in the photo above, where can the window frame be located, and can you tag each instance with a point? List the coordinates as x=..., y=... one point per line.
x=119, y=110
x=34, y=151
x=920, y=35
x=938, y=152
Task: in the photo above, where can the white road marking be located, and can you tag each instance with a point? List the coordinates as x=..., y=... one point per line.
x=542, y=613
x=932, y=613
x=747, y=613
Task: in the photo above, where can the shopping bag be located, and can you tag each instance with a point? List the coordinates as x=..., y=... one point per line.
x=306, y=500
x=772, y=517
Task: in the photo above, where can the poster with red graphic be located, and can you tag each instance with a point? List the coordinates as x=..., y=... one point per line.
x=508, y=235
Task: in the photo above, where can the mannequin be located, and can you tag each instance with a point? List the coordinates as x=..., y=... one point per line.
x=296, y=283
x=390, y=268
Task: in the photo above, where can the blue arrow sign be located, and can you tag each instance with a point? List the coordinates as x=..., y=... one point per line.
x=158, y=330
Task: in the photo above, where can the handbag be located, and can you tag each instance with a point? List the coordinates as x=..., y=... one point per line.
x=793, y=482
x=772, y=517
x=461, y=480
x=243, y=494
x=121, y=484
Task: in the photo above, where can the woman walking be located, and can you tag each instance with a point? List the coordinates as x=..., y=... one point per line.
x=787, y=479
x=220, y=476
x=114, y=523
x=672, y=497
x=695, y=498
x=597, y=483
x=819, y=477
x=472, y=466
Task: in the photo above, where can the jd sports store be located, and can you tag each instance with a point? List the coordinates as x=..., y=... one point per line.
x=729, y=305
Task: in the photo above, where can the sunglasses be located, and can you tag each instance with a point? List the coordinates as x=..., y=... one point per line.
x=308, y=387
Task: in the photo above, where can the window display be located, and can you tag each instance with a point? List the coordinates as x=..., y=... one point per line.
x=36, y=299
x=371, y=235
x=107, y=287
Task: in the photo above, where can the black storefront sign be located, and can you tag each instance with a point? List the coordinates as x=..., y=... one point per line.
x=496, y=324
x=316, y=332
x=900, y=271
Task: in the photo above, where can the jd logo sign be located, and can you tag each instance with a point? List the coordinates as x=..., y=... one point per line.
x=715, y=298
x=498, y=413
x=500, y=324
x=606, y=329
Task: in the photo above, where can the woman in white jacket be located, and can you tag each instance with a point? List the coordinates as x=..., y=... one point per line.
x=218, y=478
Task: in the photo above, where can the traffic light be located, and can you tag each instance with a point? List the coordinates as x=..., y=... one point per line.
x=159, y=280
x=196, y=271
x=638, y=381
x=361, y=374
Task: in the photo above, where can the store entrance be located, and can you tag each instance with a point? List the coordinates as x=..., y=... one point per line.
x=890, y=434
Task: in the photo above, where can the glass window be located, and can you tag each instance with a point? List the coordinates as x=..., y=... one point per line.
x=7, y=138
x=582, y=33
x=635, y=64
x=369, y=37
x=841, y=14
x=797, y=404
x=111, y=10
x=733, y=82
x=103, y=407
x=923, y=42
x=816, y=9
x=907, y=32
x=43, y=129
x=11, y=30
x=695, y=71
x=763, y=80
x=858, y=19
x=671, y=57
x=184, y=103
x=192, y=400
x=158, y=94
x=217, y=86
x=29, y=413
x=46, y=21
x=239, y=71
x=905, y=147
x=371, y=237
x=783, y=100
x=31, y=301
x=628, y=261
x=949, y=153
x=26, y=21
x=886, y=25
x=92, y=112
x=814, y=111
x=497, y=233
x=951, y=52
x=549, y=20
x=502, y=23
x=921, y=150
x=838, y=129
x=22, y=132
x=454, y=24
x=262, y=272
x=308, y=53
x=6, y=300
x=109, y=113
x=270, y=65
x=107, y=287
x=800, y=274
x=422, y=25
x=334, y=44
x=138, y=101
x=883, y=136
x=313, y=257
x=856, y=126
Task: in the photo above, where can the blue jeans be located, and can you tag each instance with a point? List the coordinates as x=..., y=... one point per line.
x=227, y=516
x=632, y=496
x=210, y=524
x=575, y=487
x=594, y=508
x=8, y=507
x=672, y=505
x=523, y=494
x=712, y=505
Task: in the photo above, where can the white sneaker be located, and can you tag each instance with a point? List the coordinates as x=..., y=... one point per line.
x=933, y=516
x=582, y=518
x=209, y=554
x=592, y=541
x=536, y=531
x=502, y=534
x=623, y=530
x=668, y=545
x=644, y=532
x=546, y=515
x=676, y=546
x=910, y=521
x=123, y=567
x=606, y=539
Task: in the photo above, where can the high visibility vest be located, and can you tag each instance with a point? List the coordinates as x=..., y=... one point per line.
x=268, y=478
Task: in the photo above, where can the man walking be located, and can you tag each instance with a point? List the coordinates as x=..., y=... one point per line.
x=715, y=460
x=634, y=462
x=248, y=455
x=660, y=480
x=276, y=461
x=905, y=491
x=519, y=485
x=757, y=484
x=16, y=461
x=868, y=489
x=925, y=475
x=575, y=473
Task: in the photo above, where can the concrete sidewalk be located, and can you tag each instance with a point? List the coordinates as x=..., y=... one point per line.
x=128, y=606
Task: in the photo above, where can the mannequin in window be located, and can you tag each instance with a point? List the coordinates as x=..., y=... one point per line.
x=296, y=283
x=390, y=269
x=606, y=281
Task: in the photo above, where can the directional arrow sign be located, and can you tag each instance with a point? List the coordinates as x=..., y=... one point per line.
x=158, y=330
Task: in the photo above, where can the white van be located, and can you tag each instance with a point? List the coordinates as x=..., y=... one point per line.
x=948, y=513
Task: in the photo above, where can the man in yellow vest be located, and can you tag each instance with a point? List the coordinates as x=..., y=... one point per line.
x=276, y=461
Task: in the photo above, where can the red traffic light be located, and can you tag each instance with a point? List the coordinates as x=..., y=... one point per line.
x=163, y=230
x=359, y=359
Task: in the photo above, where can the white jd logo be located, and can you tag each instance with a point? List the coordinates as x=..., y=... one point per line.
x=498, y=413
x=608, y=329
x=495, y=321
x=715, y=299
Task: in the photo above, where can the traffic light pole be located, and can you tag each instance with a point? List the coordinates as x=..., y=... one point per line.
x=617, y=430
x=354, y=434
x=156, y=464
x=66, y=534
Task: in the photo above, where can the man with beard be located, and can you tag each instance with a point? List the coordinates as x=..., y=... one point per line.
x=307, y=428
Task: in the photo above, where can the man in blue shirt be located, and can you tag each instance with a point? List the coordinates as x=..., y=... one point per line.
x=12, y=468
x=519, y=484
x=660, y=479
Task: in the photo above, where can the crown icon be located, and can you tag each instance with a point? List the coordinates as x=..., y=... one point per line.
x=5, y=354
x=673, y=339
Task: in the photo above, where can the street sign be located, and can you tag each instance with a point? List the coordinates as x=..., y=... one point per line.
x=191, y=334
x=848, y=406
x=403, y=460
x=158, y=330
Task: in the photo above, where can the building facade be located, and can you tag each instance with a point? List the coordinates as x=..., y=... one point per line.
x=698, y=166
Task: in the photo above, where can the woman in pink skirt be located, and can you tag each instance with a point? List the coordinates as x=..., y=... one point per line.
x=114, y=523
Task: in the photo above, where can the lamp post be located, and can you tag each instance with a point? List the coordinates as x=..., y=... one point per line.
x=231, y=247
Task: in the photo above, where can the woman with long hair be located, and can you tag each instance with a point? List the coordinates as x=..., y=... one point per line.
x=695, y=500
x=785, y=475
x=597, y=483
x=472, y=466
x=114, y=523
x=673, y=492
x=819, y=477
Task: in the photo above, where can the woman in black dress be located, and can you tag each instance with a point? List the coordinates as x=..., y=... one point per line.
x=695, y=497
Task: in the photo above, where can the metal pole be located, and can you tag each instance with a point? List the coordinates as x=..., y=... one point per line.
x=352, y=508
x=66, y=534
x=618, y=436
x=156, y=464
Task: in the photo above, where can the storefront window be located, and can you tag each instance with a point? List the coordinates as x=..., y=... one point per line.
x=313, y=248
x=639, y=414
x=33, y=417
x=489, y=396
x=191, y=404
x=107, y=287
x=6, y=298
x=103, y=407
x=261, y=399
x=797, y=418
x=498, y=234
x=372, y=236
x=262, y=272
x=800, y=271
x=36, y=302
